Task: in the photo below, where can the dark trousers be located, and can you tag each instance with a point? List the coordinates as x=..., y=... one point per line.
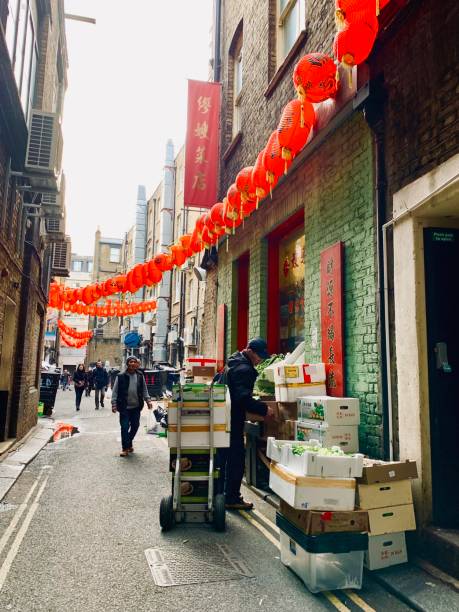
x=78, y=394
x=100, y=393
x=129, y=421
x=231, y=462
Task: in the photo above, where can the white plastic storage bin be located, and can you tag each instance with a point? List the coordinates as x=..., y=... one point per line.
x=323, y=571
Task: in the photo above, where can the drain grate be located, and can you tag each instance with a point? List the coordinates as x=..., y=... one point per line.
x=171, y=566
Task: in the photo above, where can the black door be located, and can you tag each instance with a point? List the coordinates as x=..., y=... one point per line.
x=442, y=304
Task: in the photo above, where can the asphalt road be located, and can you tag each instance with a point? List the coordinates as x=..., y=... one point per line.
x=75, y=527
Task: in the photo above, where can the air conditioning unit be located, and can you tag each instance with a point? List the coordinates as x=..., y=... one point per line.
x=43, y=161
x=61, y=257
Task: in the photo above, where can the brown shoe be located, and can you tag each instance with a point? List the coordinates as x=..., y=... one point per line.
x=131, y=450
x=238, y=504
x=124, y=453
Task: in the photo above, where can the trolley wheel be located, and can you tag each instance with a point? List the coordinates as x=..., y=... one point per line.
x=166, y=513
x=219, y=512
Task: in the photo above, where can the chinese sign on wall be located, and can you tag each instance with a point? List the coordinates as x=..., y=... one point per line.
x=331, y=312
x=291, y=290
x=201, y=154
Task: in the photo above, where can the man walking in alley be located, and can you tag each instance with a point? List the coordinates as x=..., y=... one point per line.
x=128, y=396
x=100, y=382
x=240, y=376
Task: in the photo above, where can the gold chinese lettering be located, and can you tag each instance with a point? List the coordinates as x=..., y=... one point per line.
x=199, y=181
x=200, y=155
x=204, y=104
x=330, y=265
x=201, y=130
x=330, y=288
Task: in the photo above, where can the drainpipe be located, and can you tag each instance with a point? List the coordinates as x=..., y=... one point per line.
x=166, y=215
x=217, y=39
x=374, y=115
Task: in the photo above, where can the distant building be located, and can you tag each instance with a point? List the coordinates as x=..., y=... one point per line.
x=106, y=344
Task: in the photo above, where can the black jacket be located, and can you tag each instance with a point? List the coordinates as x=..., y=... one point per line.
x=123, y=387
x=100, y=378
x=79, y=377
x=240, y=378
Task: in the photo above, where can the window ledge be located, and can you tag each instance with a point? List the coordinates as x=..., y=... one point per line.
x=232, y=147
x=285, y=64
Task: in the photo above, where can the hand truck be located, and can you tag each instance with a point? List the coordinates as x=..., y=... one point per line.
x=172, y=510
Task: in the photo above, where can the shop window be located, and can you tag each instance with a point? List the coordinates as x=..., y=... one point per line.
x=243, y=265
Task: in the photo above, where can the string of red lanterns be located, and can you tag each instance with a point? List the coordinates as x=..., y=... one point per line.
x=72, y=332
x=315, y=79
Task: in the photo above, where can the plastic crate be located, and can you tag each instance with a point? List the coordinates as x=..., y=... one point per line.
x=324, y=570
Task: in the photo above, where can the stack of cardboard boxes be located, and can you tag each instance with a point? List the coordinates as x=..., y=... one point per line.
x=294, y=381
x=323, y=538
x=333, y=421
x=201, y=369
x=384, y=491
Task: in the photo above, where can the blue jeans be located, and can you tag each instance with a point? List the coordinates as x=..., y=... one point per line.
x=129, y=421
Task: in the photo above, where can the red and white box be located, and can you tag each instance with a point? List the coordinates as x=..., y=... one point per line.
x=303, y=373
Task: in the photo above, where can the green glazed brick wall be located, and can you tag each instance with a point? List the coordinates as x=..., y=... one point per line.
x=335, y=187
x=340, y=207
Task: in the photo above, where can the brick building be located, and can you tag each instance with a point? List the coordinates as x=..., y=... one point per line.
x=396, y=127
x=33, y=246
x=106, y=343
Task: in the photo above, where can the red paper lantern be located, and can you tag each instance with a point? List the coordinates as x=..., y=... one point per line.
x=233, y=196
x=217, y=215
x=200, y=223
x=196, y=243
x=314, y=77
x=259, y=179
x=356, y=11
x=154, y=273
x=272, y=160
x=87, y=295
x=294, y=127
x=353, y=45
x=178, y=255
x=245, y=186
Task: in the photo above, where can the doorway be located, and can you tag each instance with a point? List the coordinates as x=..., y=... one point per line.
x=441, y=260
x=6, y=367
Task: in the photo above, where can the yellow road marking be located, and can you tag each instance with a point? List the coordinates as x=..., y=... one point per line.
x=264, y=531
x=335, y=602
x=265, y=520
x=359, y=601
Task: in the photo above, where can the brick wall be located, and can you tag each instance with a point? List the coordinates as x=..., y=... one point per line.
x=209, y=316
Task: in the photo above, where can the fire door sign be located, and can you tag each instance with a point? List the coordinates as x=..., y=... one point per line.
x=332, y=317
x=201, y=152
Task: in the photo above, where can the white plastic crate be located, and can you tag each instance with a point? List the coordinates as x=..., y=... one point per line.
x=322, y=571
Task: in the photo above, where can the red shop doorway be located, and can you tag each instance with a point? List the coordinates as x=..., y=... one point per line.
x=286, y=284
x=243, y=300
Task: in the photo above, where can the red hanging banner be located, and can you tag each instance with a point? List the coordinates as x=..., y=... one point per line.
x=331, y=314
x=201, y=152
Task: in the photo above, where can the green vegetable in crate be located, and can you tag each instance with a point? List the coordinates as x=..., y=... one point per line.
x=263, y=386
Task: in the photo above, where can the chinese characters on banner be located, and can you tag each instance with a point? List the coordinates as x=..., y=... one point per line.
x=331, y=312
x=201, y=153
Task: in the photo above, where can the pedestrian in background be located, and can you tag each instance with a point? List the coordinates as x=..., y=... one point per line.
x=79, y=382
x=100, y=382
x=128, y=396
x=65, y=379
x=89, y=382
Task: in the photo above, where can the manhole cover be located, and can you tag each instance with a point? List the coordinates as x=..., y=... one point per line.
x=171, y=566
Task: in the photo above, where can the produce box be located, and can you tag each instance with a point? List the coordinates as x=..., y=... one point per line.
x=200, y=361
x=333, y=410
x=308, y=373
x=193, y=460
x=199, y=415
x=194, y=491
x=304, y=459
x=195, y=392
x=197, y=436
x=387, y=471
x=204, y=371
x=335, y=563
x=384, y=494
x=315, y=522
x=386, y=550
x=288, y=411
x=344, y=436
x=291, y=392
x=392, y=519
x=311, y=492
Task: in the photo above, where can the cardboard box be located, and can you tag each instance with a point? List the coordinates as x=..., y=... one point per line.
x=310, y=492
x=392, y=519
x=313, y=522
x=197, y=436
x=386, y=550
x=309, y=373
x=207, y=372
x=193, y=460
x=387, y=471
x=384, y=494
x=332, y=410
x=344, y=436
x=288, y=411
x=291, y=392
x=193, y=392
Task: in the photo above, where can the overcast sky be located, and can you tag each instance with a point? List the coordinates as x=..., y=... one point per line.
x=126, y=96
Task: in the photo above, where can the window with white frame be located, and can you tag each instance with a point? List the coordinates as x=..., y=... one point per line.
x=290, y=22
x=115, y=253
x=178, y=274
x=237, y=86
x=191, y=295
x=77, y=265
